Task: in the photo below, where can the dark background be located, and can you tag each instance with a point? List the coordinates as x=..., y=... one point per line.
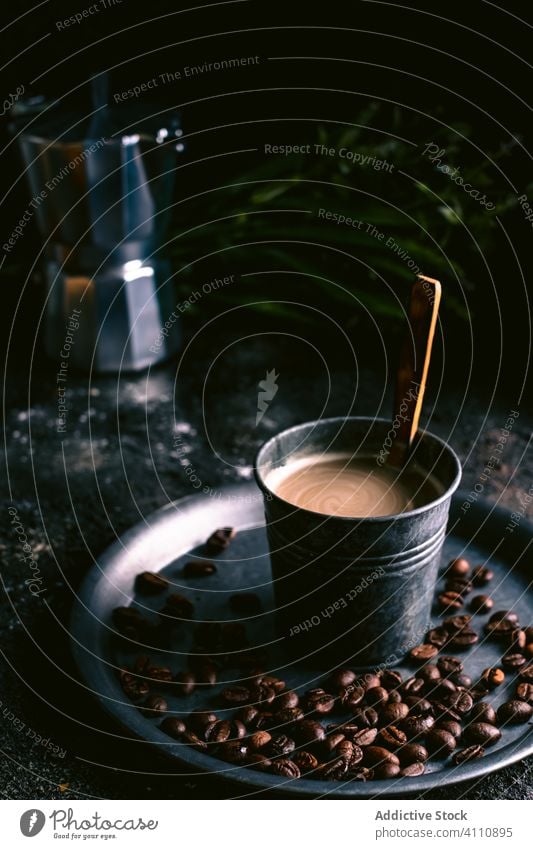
x=464, y=82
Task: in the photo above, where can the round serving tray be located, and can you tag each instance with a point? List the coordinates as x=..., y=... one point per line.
x=177, y=532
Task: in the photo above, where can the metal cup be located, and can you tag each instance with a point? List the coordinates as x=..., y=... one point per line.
x=354, y=589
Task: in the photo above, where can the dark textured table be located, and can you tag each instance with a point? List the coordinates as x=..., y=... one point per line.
x=128, y=447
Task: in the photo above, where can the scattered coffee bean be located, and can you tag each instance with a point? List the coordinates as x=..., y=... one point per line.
x=285, y=768
x=448, y=665
x=450, y=601
x=440, y=742
x=425, y=651
x=524, y=691
x=483, y=733
x=513, y=661
x=416, y=726
x=173, y=726
x=177, y=606
x=482, y=575
x=259, y=739
x=199, y=569
x=318, y=700
x=364, y=737
x=195, y=742
x=341, y=678
x=185, y=683
x=412, y=753
x=392, y=713
x=452, y=726
x=526, y=673
x=386, y=771
x=391, y=737
x=155, y=705
x=481, y=604
x=505, y=616
x=280, y=744
x=290, y=699
x=482, y=712
x=133, y=687
x=493, y=676
x=471, y=753
x=437, y=637
x=351, y=695
x=376, y=697
x=463, y=639
x=412, y=770
x=233, y=751
x=517, y=640
x=308, y=731
x=458, y=567
x=390, y=679
x=236, y=695
x=220, y=539
x=150, y=583
x=198, y=720
x=305, y=761
x=288, y=716
x=374, y=756
x=514, y=712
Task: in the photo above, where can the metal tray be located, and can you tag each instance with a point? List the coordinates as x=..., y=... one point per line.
x=164, y=540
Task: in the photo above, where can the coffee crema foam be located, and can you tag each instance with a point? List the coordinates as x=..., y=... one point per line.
x=340, y=485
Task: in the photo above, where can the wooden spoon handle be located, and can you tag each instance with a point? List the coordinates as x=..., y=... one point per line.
x=413, y=368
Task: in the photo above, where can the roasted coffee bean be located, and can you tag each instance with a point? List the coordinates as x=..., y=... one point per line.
x=198, y=720
x=463, y=639
x=286, y=700
x=262, y=695
x=368, y=680
x=418, y=706
x=245, y=604
x=233, y=751
x=281, y=745
x=273, y=683
x=392, y=713
x=330, y=743
x=443, y=712
x=286, y=768
x=377, y=697
x=443, y=690
x=529, y=634
x=150, y=583
x=526, y=673
x=386, y=771
x=247, y=714
x=458, y=585
x=493, y=676
x=458, y=567
x=308, y=731
x=341, y=678
x=185, y=683
x=412, y=686
x=394, y=697
x=263, y=721
x=364, y=737
x=412, y=770
x=513, y=661
x=471, y=753
x=133, y=687
x=199, y=569
x=177, y=606
x=453, y=624
x=360, y=773
x=390, y=679
x=225, y=729
x=155, y=705
x=425, y=651
x=525, y=692
x=517, y=640
x=481, y=604
x=365, y=717
x=450, y=601
x=173, y=726
x=460, y=679
x=318, y=701
x=416, y=726
x=440, y=742
x=412, y=753
x=192, y=739
x=374, y=756
x=206, y=674
x=391, y=737
x=480, y=689
x=514, y=712
x=352, y=695
x=437, y=637
x=288, y=716
x=462, y=702
x=483, y=733
x=505, y=616
x=452, y=726
x=332, y=771
x=529, y=650
x=236, y=695
x=482, y=712
x=449, y=665
x=350, y=753
x=430, y=673
x=220, y=539
x=305, y=761
x=159, y=673
x=482, y=575
x=259, y=739
x=129, y=621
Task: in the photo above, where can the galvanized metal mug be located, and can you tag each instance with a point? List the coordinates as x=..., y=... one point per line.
x=354, y=589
